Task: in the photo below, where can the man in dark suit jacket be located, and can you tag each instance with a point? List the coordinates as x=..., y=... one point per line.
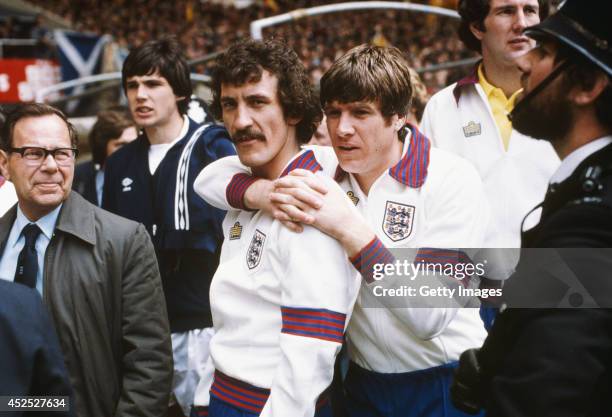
x=558, y=361
x=30, y=355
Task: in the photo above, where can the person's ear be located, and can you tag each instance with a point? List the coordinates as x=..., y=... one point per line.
x=4, y=165
x=398, y=122
x=293, y=121
x=477, y=30
x=585, y=96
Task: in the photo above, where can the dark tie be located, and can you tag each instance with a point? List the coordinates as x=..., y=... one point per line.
x=27, y=262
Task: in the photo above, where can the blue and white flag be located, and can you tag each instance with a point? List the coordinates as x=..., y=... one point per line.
x=80, y=55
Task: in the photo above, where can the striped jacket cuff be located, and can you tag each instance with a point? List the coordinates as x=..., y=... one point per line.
x=371, y=254
x=316, y=323
x=236, y=189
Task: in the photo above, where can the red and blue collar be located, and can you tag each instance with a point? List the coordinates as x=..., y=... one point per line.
x=305, y=160
x=471, y=79
x=412, y=169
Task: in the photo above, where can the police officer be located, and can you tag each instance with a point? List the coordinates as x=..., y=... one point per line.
x=558, y=362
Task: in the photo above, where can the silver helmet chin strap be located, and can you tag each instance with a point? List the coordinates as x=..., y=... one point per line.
x=543, y=84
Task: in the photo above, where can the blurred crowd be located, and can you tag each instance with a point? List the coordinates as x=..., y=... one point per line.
x=204, y=27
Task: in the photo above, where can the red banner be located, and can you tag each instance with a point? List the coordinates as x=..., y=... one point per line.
x=21, y=78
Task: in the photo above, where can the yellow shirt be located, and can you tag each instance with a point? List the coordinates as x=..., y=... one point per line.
x=500, y=106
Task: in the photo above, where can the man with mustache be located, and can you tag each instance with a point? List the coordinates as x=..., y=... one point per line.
x=150, y=180
x=395, y=191
x=556, y=362
x=280, y=300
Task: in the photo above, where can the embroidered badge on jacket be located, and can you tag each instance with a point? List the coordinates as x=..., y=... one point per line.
x=472, y=129
x=353, y=197
x=255, y=249
x=398, y=220
x=235, y=231
x=126, y=183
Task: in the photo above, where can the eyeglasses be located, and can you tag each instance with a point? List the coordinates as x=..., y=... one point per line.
x=35, y=156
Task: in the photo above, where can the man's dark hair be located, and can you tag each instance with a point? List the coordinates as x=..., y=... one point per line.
x=582, y=72
x=475, y=11
x=110, y=125
x=33, y=110
x=164, y=56
x=245, y=61
x=372, y=73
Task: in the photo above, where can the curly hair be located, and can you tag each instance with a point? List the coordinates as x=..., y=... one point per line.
x=245, y=61
x=373, y=73
x=166, y=57
x=475, y=12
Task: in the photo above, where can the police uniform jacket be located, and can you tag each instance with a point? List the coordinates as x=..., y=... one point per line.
x=558, y=362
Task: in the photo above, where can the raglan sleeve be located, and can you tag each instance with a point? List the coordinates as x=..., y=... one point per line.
x=223, y=182
x=319, y=288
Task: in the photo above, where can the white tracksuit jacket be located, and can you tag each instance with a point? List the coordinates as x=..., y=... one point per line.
x=446, y=206
x=458, y=119
x=280, y=303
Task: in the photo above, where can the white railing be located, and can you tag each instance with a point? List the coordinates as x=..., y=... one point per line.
x=257, y=26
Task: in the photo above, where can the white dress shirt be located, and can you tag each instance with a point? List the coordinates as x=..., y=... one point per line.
x=8, y=197
x=571, y=162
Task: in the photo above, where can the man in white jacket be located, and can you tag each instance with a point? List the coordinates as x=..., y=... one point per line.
x=469, y=118
x=402, y=194
x=280, y=301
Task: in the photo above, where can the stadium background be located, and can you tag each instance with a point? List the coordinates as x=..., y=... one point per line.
x=34, y=34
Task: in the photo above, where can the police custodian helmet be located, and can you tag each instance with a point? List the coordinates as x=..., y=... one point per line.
x=583, y=26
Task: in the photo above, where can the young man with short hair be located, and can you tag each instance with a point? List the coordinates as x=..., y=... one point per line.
x=280, y=301
x=151, y=180
x=402, y=193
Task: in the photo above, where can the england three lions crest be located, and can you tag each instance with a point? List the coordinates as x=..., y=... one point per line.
x=255, y=249
x=398, y=220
